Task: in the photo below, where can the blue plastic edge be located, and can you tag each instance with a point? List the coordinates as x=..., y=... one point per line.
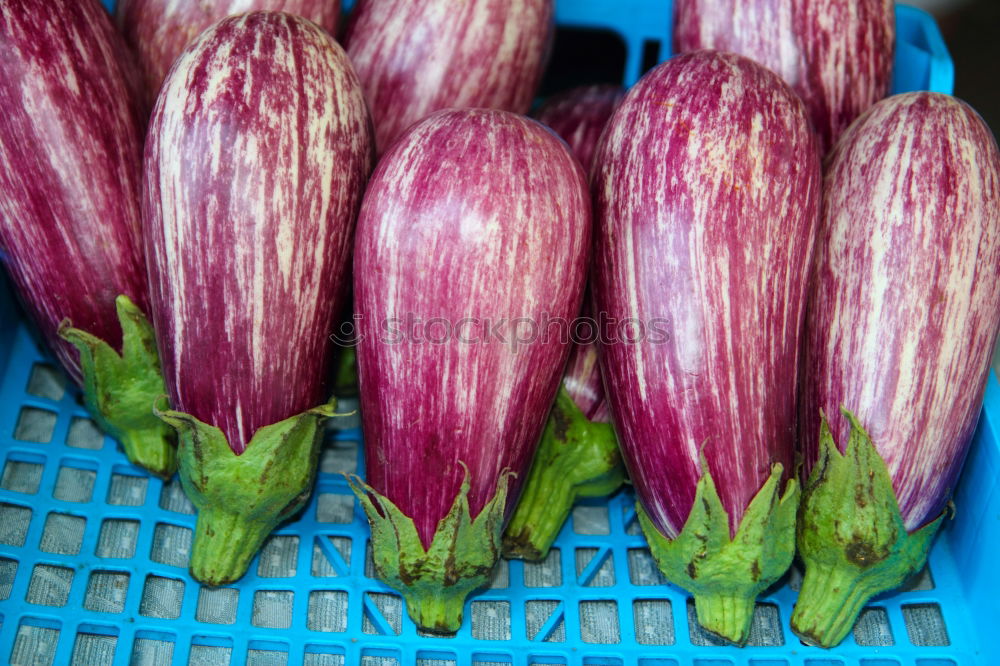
x=922, y=61
x=8, y=319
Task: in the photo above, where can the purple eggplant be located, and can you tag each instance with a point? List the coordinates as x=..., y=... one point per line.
x=578, y=454
x=836, y=54
x=158, y=30
x=415, y=58
x=902, y=320
x=470, y=260
x=257, y=156
x=70, y=171
x=579, y=116
x=706, y=191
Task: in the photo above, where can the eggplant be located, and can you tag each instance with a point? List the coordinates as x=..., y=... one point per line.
x=415, y=58
x=836, y=54
x=578, y=454
x=470, y=258
x=258, y=151
x=706, y=190
x=903, y=316
x=158, y=30
x=70, y=172
x=579, y=115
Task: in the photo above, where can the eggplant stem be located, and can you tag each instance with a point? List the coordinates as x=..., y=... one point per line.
x=854, y=544
x=727, y=616
x=723, y=573
x=575, y=458
x=242, y=498
x=435, y=581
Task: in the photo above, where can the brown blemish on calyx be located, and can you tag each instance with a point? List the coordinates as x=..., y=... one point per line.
x=862, y=554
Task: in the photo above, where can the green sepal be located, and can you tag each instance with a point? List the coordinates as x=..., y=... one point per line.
x=725, y=575
x=345, y=376
x=242, y=498
x=575, y=458
x=119, y=389
x=851, y=537
x=435, y=581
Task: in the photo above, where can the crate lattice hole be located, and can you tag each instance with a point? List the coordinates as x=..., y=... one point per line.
x=83, y=433
x=74, y=484
x=331, y=556
x=127, y=490
x=654, y=623
x=117, y=539
x=272, y=609
x=599, y=622
x=171, y=545
x=327, y=611
x=872, y=628
x=46, y=382
x=90, y=649
x=383, y=614
x=546, y=573
x=278, y=557
x=62, y=534
x=162, y=597
x=217, y=605
x=35, y=425
x=595, y=567
x=106, y=591
x=491, y=620
x=22, y=476
x=544, y=620
x=49, y=585
x=925, y=625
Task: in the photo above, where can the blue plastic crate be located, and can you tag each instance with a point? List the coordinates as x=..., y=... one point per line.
x=93, y=551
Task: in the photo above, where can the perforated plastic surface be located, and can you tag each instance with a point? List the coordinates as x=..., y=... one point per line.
x=93, y=552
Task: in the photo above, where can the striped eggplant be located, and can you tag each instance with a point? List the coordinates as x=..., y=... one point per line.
x=470, y=260
x=578, y=455
x=836, y=54
x=706, y=196
x=579, y=115
x=256, y=159
x=415, y=58
x=71, y=136
x=904, y=312
x=158, y=30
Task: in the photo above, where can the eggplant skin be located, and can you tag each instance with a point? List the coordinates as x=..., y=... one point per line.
x=582, y=381
x=905, y=305
x=257, y=156
x=158, y=30
x=706, y=191
x=836, y=54
x=71, y=140
x=579, y=115
x=474, y=219
x=415, y=58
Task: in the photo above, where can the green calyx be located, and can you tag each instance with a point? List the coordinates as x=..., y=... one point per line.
x=242, y=498
x=435, y=581
x=345, y=376
x=576, y=458
x=725, y=574
x=851, y=537
x=119, y=389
